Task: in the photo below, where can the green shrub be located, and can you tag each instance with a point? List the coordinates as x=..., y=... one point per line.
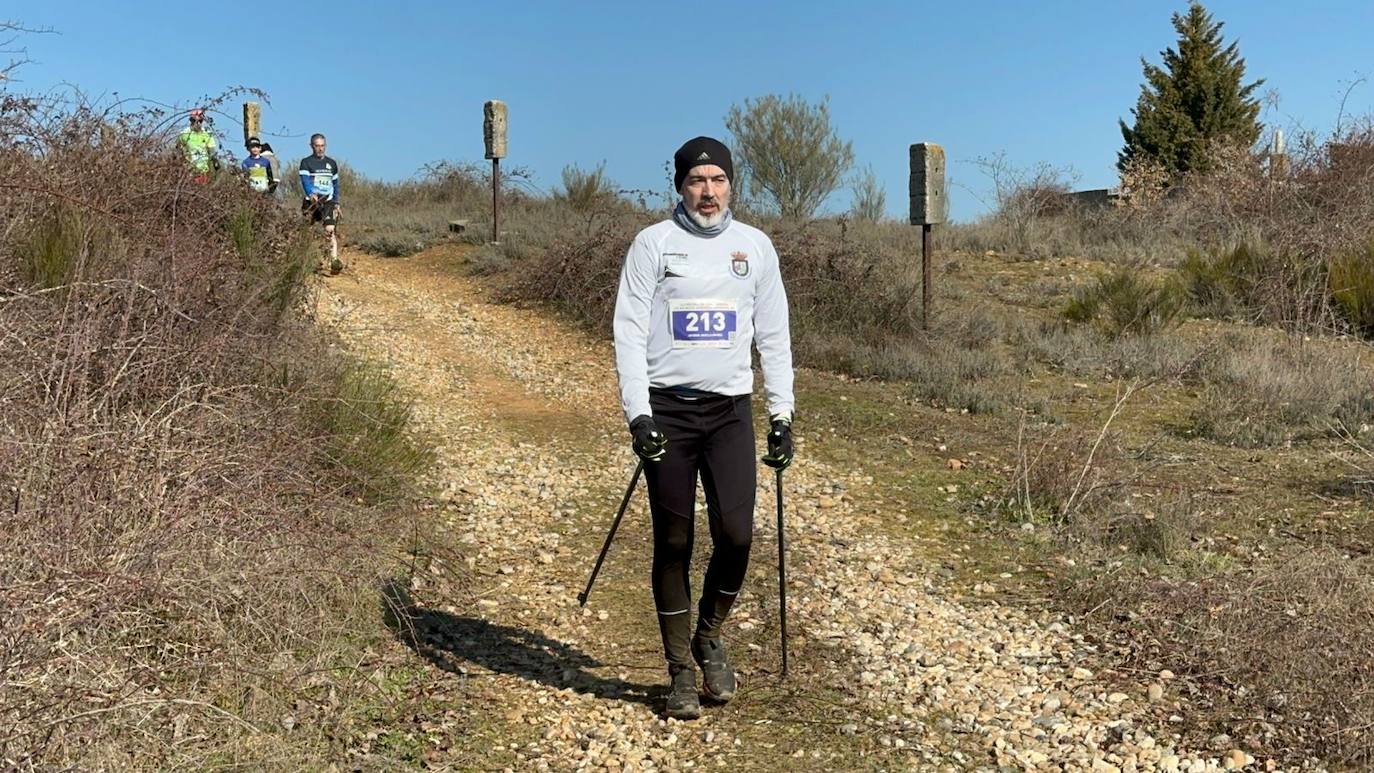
x=365, y=420
x=1125, y=302
x=243, y=232
x=1222, y=283
x=586, y=191
x=288, y=275
x=1351, y=279
x=50, y=255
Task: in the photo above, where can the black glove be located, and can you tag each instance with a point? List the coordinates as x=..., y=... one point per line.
x=649, y=443
x=780, y=448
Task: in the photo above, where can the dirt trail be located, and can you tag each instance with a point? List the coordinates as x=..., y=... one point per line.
x=891, y=669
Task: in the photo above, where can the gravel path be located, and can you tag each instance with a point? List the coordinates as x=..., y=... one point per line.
x=895, y=668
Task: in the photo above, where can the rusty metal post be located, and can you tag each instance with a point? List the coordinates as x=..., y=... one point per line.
x=925, y=276
x=495, y=200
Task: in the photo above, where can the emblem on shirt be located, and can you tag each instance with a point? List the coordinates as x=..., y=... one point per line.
x=739, y=264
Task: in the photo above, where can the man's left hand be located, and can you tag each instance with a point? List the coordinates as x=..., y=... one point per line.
x=780, y=447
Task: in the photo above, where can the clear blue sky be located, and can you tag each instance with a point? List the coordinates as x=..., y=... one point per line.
x=399, y=84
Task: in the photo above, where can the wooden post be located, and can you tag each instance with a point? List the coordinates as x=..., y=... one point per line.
x=252, y=121
x=494, y=135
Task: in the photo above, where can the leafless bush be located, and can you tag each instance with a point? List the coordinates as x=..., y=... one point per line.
x=586, y=190
x=579, y=274
x=870, y=200
x=1024, y=196
x=1064, y=476
x=1294, y=634
x=183, y=559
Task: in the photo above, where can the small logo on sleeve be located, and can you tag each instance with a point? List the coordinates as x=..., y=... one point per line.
x=676, y=265
x=739, y=264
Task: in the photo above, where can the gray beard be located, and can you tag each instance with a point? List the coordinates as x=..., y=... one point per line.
x=707, y=221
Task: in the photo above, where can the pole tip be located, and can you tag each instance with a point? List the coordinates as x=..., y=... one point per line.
x=582, y=599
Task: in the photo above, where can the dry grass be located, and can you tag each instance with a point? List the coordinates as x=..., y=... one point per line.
x=189, y=563
x=1284, y=643
x=1267, y=390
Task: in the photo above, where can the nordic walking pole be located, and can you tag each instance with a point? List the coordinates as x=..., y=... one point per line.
x=582, y=597
x=782, y=577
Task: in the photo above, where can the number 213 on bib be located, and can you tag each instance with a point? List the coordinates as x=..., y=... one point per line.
x=703, y=323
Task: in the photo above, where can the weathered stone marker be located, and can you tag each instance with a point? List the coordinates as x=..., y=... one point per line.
x=929, y=206
x=494, y=135
x=252, y=121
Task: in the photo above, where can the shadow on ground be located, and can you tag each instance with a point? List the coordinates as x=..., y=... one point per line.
x=450, y=641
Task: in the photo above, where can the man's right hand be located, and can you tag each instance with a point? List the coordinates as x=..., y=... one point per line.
x=649, y=443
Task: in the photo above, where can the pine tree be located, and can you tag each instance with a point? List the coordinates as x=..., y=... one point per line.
x=1195, y=99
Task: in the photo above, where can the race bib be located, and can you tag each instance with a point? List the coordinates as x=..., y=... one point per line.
x=709, y=324
x=257, y=178
x=323, y=183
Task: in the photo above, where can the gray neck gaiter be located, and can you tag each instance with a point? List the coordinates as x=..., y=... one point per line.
x=685, y=220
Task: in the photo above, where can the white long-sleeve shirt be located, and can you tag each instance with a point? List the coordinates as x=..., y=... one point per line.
x=688, y=309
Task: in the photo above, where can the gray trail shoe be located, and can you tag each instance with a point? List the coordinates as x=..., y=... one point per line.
x=683, y=702
x=717, y=675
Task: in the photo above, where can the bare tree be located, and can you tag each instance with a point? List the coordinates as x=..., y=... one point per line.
x=870, y=200
x=1024, y=195
x=10, y=31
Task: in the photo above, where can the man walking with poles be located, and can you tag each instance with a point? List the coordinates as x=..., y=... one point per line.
x=696, y=291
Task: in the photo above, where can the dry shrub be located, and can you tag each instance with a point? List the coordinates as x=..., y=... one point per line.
x=842, y=284
x=1295, y=632
x=854, y=293
x=852, y=290
x=579, y=275
x=1261, y=240
x=1083, y=351
x=586, y=191
x=184, y=568
x=1066, y=476
x=1263, y=390
x=400, y=218
x=941, y=372
x=1304, y=214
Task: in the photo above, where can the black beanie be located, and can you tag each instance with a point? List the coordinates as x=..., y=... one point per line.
x=698, y=151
